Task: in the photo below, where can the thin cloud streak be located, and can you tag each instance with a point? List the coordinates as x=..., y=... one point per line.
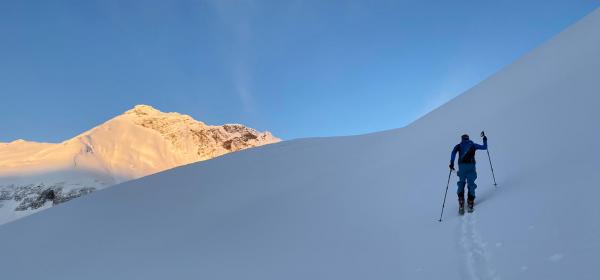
x=236, y=16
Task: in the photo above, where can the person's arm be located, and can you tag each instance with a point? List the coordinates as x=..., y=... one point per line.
x=481, y=147
x=453, y=156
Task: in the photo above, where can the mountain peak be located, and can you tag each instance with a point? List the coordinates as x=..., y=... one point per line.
x=142, y=109
x=20, y=142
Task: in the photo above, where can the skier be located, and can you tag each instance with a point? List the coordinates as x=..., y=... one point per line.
x=466, y=170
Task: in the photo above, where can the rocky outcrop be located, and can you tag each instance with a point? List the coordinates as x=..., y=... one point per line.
x=32, y=197
x=183, y=132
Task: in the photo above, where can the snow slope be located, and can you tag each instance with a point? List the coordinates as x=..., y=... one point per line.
x=139, y=142
x=362, y=207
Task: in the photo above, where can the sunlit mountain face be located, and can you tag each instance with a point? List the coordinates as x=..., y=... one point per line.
x=141, y=141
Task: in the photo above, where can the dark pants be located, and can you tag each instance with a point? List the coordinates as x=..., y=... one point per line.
x=467, y=175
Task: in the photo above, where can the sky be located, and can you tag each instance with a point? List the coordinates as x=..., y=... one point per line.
x=296, y=68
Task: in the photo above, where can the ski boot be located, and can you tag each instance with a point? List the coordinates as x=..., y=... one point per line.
x=470, y=204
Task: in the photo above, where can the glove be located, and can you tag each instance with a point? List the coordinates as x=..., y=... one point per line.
x=451, y=166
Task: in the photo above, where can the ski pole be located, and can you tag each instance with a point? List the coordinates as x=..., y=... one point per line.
x=445, y=194
x=490, y=159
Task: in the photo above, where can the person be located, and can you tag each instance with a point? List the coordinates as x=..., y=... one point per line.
x=466, y=170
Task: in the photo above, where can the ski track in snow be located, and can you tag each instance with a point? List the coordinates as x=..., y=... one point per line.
x=477, y=260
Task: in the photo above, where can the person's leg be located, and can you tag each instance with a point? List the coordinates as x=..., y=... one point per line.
x=471, y=186
x=462, y=181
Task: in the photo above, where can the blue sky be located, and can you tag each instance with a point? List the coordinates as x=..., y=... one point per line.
x=296, y=68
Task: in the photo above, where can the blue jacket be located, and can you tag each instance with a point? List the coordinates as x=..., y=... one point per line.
x=466, y=150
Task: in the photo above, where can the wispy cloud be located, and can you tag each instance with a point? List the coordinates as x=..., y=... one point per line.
x=236, y=17
x=242, y=82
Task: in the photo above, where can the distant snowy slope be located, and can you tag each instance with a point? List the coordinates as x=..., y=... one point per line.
x=139, y=142
x=363, y=207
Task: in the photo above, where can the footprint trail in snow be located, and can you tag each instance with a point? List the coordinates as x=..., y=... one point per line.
x=477, y=260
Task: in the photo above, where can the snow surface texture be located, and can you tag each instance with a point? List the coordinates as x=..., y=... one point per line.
x=362, y=207
x=140, y=142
